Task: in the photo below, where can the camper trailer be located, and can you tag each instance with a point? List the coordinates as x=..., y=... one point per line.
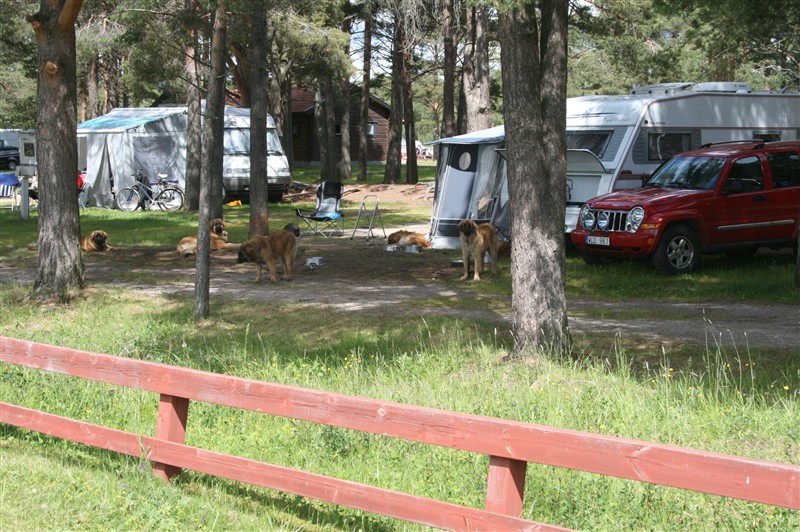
x=18, y=149
x=613, y=143
x=113, y=147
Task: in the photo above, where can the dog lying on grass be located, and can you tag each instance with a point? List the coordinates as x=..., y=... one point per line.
x=95, y=241
x=219, y=240
x=279, y=246
x=408, y=238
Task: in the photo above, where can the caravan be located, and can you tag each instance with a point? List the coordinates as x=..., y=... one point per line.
x=112, y=148
x=613, y=143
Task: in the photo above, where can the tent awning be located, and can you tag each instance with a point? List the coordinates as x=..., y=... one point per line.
x=123, y=119
x=484, y=136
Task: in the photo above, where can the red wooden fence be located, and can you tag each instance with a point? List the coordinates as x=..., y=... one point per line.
x=510, y=445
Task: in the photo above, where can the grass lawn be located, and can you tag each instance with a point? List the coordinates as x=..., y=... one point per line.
x=741, y=401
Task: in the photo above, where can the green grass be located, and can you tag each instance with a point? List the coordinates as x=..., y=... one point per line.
x=736, y=401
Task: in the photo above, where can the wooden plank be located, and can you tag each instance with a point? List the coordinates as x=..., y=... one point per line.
x=381, y=501
x=505, y=488
x=729, y=476
x=171, y=426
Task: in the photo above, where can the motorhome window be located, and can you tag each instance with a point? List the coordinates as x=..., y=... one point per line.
x=372, y=129
x=745, y=176
x=687, y=172
x=594, y=141
x=236, y=142
x=274, y=143
x=785, y=169
x=662, y=146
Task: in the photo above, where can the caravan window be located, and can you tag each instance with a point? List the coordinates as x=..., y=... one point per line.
x=662, y=146
x=594, y=141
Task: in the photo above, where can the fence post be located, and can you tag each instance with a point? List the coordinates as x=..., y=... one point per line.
x=171, y=426
x=505, y=486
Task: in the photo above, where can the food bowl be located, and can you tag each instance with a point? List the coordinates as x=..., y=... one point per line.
x=313, y=262
x=392, y=247
x=411, y=249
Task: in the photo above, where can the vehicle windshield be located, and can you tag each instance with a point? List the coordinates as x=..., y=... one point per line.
x=687, y=172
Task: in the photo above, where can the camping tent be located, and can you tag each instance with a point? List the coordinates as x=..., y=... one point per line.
x=470, y=183
x=114, y=146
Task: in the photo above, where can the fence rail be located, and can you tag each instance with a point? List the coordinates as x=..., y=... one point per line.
x=510, y=445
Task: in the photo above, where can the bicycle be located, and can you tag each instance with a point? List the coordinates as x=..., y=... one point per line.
x=164, y=193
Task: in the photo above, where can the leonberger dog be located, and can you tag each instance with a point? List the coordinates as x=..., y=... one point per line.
x=476, y=240
x=219, y=240
x=95, y=241
x=279, y=246
x=408, y=238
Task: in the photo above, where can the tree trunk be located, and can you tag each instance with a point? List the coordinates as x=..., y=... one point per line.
x=329, y=113
x=449, y=104
x=322, y=132
x=363, y=140
x=412, y=173
x=194, y=133
x=534, y=90
x=59, y=267
x=211, y=173
x=476, y=71
x=91, y=89
x=393, y=157
x=345, y=168
x=259, y=210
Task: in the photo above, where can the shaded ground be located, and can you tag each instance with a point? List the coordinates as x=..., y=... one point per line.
x=360, y=275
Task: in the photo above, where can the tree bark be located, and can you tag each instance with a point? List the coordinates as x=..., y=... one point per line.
x=449, y=104
x=412, y=173
x=59, y=267
x=363, y=140
x=393, y=157
x=91, y=89
x=476, y=71
x=322, y=132
x=345, y=168
x=194, y=133
x=259, y=200
x=211, y=173
x=534, y=89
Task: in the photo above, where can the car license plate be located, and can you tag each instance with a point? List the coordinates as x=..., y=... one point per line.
x=598, y=240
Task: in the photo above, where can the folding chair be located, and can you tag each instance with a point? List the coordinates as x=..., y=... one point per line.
x=326, y=218
x=9, y=182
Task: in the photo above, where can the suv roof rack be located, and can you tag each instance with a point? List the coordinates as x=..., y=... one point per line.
x=709, y=144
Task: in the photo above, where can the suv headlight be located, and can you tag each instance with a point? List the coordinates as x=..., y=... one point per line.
x=603, y=219
x=587, y=217
x=635, y=219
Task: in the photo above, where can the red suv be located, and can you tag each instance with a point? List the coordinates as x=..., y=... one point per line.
x=734, y=197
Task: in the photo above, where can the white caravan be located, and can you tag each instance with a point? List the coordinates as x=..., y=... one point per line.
x=630, y=136
x=613, y=143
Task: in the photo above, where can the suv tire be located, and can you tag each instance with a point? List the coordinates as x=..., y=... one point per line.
x=678, y=251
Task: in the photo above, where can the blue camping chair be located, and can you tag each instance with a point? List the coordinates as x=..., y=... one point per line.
x=326, y=218
x=9, y=182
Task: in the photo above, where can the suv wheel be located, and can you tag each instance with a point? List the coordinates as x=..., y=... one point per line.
x=678, y=251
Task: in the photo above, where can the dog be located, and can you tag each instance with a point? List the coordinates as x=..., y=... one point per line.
x=408, y=238
x=95, y=241
x=281, y=245
x=476, y=240
x=219, y=240
x=294, y=228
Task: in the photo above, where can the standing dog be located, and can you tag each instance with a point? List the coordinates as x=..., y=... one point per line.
x=219, y=240
x=95, y=241
x=261, y=250
x=476, y=240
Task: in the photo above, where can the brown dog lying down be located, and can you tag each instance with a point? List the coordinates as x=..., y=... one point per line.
x=281, y=245
x=408, y=238
x=476, y=240
x=219, y=240
x=95, y=241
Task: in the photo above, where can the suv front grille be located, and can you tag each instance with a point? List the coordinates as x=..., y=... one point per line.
x=617, y=220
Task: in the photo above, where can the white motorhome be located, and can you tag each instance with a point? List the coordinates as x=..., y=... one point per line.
x=613, y=143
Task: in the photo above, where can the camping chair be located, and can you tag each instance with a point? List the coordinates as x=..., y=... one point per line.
x=326, y=218
x=9, y=182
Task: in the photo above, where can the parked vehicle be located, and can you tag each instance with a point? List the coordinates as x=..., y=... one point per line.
x=614, y=143
x=9, y=155
x=734, y=197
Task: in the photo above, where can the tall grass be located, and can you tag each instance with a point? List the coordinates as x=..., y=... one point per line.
x=721, y=402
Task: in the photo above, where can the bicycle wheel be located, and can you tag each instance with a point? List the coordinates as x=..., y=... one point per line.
x=170, y=199
x=128, y=199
